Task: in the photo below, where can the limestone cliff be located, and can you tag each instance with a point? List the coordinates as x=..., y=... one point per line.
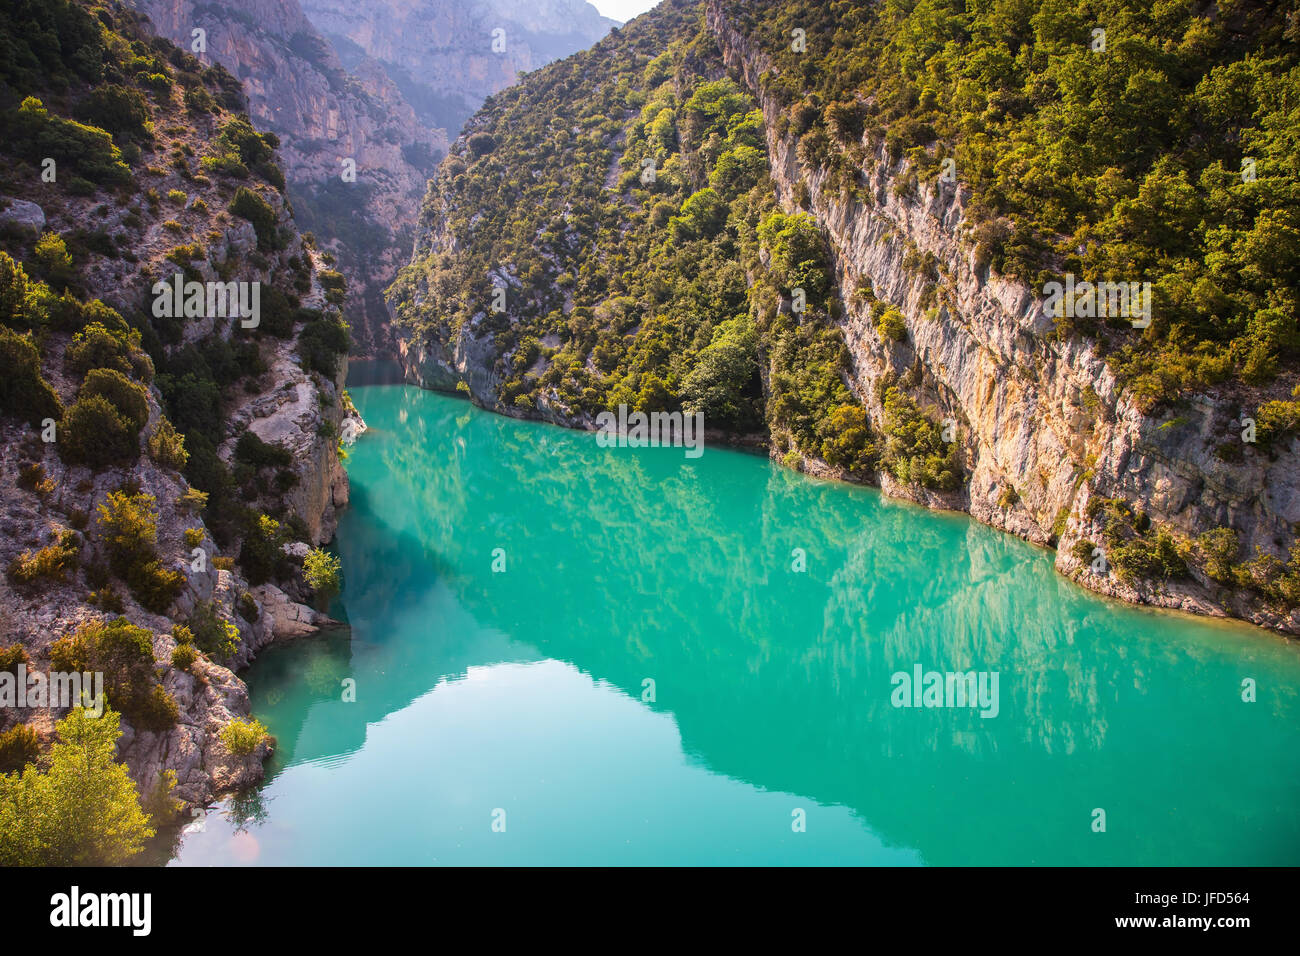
x=1035, y=413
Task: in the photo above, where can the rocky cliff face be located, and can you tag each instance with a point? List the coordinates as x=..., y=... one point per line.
x=1043, y=425
x=442, y=55
x=383, y=91
x=324, y=115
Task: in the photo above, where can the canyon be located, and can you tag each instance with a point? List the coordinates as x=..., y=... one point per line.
x=365, y=101
x=1047, y=437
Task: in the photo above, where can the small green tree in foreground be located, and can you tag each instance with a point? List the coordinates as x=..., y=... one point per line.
x=77, y=807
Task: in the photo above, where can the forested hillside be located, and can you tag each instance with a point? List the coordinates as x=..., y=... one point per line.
x=1111, y=140
x=830, y=226
x=622, y=198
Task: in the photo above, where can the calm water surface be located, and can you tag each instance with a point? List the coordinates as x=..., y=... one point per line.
x=523, y=697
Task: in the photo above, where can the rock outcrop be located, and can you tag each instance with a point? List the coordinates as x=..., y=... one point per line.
x=44, y=500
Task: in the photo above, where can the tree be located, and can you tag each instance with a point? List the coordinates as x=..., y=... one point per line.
x=323, y=571
x=78, y=807
x=23, y=392
x=722, y=375
x=95, y=434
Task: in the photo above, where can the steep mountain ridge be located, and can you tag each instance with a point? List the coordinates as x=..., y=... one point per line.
x=324, y=115
x=1037, y=414
x=414, y=71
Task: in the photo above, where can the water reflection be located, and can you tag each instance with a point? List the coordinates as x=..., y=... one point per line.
x=642, y=564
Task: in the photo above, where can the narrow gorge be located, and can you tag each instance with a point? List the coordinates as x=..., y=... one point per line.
x=1138, y=497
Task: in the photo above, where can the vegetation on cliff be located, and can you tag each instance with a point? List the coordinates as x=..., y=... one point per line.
x=1114, y=141
x=127, y=163
x=620, y=203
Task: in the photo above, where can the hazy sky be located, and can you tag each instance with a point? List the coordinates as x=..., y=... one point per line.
x=623, y=9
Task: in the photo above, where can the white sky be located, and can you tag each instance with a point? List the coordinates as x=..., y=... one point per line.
x=623, y=9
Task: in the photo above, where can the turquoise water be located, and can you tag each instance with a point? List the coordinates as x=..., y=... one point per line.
x=771, y=737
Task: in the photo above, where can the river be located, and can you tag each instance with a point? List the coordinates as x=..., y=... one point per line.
x=568, y=654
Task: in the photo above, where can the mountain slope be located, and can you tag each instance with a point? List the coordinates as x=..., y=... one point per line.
x=414, y=72
x=802, y=266
x=323, y=115
x=441, y=54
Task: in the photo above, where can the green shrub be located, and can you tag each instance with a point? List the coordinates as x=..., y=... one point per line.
x=31, y=477
x=914, y=450
x=155, y=586
x=81, y=809
x=334, y=284
x=76, y=147
x=199, y=101
x=167, y=446
x=51, y=563
x=1143, y=558
x=11, y=656
x=124, y=653
x=130, y=399
x=323, y=572
x=212, y=633
x=849, y=444
x=1219, y=551
x=184, y=656
x=321, y=343
x=891, y=325
x=122, y=112
x=24, y=393
x=242, y=737
x=95, y=434
x=52, y=253
x=1277, y=421
x=129, y=526
x=249, y=205
x=252, y=451
x=262, y=556
x=98, y=346
x=19, y=746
